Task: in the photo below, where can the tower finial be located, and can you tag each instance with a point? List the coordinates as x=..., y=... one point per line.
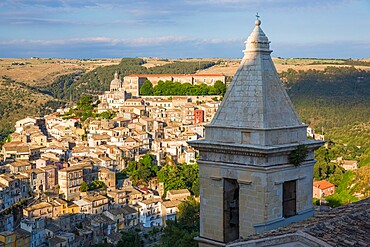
x=257, y=21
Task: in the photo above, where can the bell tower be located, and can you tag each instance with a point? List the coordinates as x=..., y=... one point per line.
x=256, y=164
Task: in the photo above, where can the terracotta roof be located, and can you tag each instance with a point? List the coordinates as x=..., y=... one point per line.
x=121, y=118
x=100, y=137
x=101, y=218
x=77, y=167
x=323, y=184
x=95, y=198
x=60, y=201
x=347, y=225
x=104, y=169
x=152, y=200
x=179, y=192
x=132, y=191
x=22, y=233
x=56, y=240
x=53, y=228
x=16, y=146
x=130, y=139
x=129, y=210
x=8, y=177
x=134, y=100
x=171, y=204
x=48, y=167
x=125, y=210
x=38, y=206
x=19, y=163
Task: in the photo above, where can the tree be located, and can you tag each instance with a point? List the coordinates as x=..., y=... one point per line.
x=84, y=187
x=85, y=103
x=142, y=171
x=146, y=88
x=195, y=188
x=180, y=176
x=97, y=184
x=130, y=238
x=108, y=115
x=220, y=87
x=181, y=233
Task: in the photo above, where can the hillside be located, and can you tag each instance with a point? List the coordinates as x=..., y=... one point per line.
x=18, y=100
x=229, y=66
x=43, y=71
x=333, y=97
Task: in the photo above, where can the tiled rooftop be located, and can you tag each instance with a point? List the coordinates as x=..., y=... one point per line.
x=348, y=225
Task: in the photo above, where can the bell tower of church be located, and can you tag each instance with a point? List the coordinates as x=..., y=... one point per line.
x=256, y=164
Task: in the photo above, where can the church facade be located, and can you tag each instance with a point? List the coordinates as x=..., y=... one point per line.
x=256, y=163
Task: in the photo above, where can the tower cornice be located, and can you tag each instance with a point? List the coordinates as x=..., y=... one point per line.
x=252, y=150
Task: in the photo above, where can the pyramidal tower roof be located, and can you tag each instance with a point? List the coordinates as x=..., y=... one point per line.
x=256, y=98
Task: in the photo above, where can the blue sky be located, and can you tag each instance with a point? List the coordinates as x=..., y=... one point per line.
x=182, y=28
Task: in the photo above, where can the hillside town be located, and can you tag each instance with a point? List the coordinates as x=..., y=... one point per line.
x=126, y=161
x=48, y=161
x=61, y=182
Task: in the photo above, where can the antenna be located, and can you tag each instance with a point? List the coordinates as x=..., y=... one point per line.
x=257, y=16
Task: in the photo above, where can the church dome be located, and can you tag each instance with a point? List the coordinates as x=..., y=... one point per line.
x=115, y=83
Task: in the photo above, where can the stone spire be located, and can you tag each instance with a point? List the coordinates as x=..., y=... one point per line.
x=256, y=99
x=248, y=181
x=257, y=40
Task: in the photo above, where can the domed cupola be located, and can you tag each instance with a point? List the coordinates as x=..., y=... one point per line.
x=116, y=83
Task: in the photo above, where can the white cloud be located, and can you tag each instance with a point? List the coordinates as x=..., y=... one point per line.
x=134, y=42
x=142, y=41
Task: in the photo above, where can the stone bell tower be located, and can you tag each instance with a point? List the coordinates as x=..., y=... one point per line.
x=248, y=183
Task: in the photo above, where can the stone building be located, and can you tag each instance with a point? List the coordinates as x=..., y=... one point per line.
x=108, y=177
x=180, y=195
x=198, y=116
x=37, y=178
x=13, y=189
x=132, y=83
x=39, y=210
x=71, y=178
x=248, y=182
x=150, y=211
x=322, y=188
x=16, y=150
x=18, y=238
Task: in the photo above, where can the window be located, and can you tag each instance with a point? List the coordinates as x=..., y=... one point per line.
x=289, y=199
x=231, y=210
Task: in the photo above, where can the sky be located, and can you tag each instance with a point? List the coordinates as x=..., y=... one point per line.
x=182, y=28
